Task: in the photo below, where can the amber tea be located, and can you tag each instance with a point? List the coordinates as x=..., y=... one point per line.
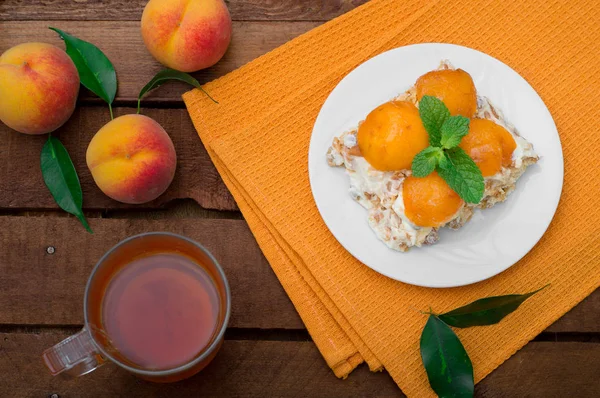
x=156, y=304
x=160, y=311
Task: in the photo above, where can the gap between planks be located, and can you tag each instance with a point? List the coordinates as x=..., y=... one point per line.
x=175, y=209
x=278, y=334
x=232, y=333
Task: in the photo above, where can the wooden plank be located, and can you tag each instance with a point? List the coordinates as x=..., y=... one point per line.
x=126, y=10
x=38, y=288
x=257, y=294
x=21, y=184
x=242, y=368
x=122, y=43
x=585, y=317
x=291, y=369
x=546, y=370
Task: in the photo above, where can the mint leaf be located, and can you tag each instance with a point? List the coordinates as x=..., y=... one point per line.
x=433, y=114
x=425, y=161
x=453, y=130
x=462, y=175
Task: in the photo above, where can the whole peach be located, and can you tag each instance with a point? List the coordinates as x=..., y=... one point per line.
x=38, y=88
x=132, y=159
x=186, y=35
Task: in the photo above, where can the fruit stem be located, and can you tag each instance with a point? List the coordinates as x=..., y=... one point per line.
x=111, y=112
x=208, y=95
x=430, y=312
x=139, y=105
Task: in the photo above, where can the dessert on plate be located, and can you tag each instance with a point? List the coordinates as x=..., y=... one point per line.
x=405, y=210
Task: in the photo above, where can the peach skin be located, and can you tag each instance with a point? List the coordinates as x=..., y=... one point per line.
x=38, y=88
x=186, y=35
x=455, y=88
x=391, y=135
x=429, y=201
x=132, y=159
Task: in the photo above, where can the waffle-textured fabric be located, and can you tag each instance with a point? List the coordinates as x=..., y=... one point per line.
x=258, y=137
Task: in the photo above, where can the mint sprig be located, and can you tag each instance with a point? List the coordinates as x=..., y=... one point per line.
x=425, y=161
x=433, y=114
x=462, y=175
x=453, y=130
x=453, y=164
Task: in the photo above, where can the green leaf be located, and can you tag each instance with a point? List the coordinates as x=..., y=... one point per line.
x=96, y=72
x=487, y=311
x=453, y=130
x=61, y=178
x=170, y=74
x=462, y=175
x=446, y=361
x=425, y=161
x=433, y=114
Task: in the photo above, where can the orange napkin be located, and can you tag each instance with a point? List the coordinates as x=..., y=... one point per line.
x=258, y=138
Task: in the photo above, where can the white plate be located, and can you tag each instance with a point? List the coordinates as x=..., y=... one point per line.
x=494, y=239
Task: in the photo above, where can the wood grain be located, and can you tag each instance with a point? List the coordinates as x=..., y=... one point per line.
x=22, y=186
x=584, y=317
x=241, y=369
x=122, y=43
x=291, y=369
x=124, y=10
x=41, y=289
x=38, y=288
x=546, y=370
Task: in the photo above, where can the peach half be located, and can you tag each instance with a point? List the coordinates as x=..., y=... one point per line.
x=429, y=201
x=391, y=135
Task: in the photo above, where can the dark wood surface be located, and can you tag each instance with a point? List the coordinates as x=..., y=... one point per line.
x=134, y=64
x=195, y=178
x=131, y=10
x=259, y=368
x=267, y=351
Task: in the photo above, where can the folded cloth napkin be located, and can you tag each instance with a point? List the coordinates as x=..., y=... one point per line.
x=258, y=137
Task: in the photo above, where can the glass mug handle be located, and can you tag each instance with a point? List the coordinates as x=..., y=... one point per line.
x=75, y=356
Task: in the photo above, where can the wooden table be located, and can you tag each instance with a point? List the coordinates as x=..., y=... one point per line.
x=46, y=256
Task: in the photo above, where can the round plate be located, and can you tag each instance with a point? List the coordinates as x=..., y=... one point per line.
x=495, y=238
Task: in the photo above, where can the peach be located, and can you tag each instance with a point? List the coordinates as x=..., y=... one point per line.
x=489, y=145
x=391, y=135
x=132, y=159
x=38, y=88
x=429, y=201
x=186, y=35
x=454, y=87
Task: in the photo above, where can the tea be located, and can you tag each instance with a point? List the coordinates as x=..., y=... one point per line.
x=160, y=311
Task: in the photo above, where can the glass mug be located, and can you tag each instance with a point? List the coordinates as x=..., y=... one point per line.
x=157, y=304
